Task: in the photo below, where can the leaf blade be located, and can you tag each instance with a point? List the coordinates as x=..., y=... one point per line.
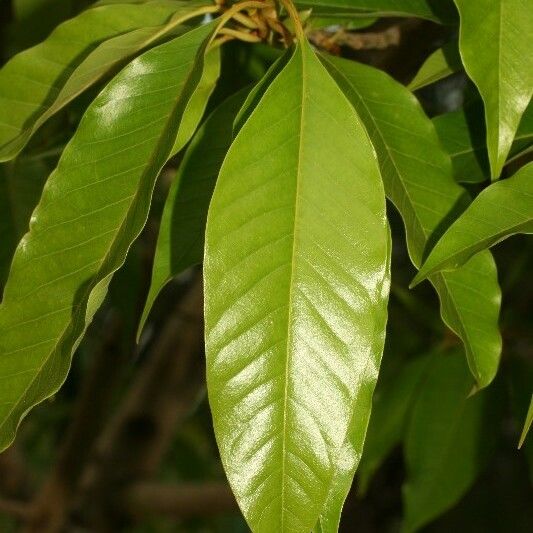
x=252, y=253
x=497, y=59
x=68, y=271
x=499, y=211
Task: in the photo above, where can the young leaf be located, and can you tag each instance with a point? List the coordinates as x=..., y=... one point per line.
x=390, y=409
x=448, y=442
x=499, y=211
x=348, y=457
x=441, y=11
x=418, y=180
x=462, y=133
x=295, y=268
x=496, y=54
x=438, y=65
x=92, y=208
x=180, y=243
x=37, y=83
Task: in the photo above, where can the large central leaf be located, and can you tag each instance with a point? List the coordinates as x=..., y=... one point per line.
x=93, y=206
x=295, y=268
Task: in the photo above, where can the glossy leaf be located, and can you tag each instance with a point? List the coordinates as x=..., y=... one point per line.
x=390, y=410
x=294, y=293
x=499, y=211
x=180, y=243
x=37, y=83
x=418, y=180
x=497, y=56
x=438, y=11
x=440, y=64
x=448, y=442
x=93, y=206
x=462, y=134
x=348, y=458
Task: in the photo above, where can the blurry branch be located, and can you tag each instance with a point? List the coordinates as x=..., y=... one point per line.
x=14, y=508
x=52, y=503
x=180, y=501
x=137, y=437
x=15, y=478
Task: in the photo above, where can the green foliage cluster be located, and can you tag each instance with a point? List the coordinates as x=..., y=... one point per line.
x=281, y=194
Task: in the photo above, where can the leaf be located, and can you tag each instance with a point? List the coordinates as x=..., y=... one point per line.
x=348, y=457
x=448, y=442
x=497, y=57
x=92, y=208
x=180, y=243
x=462, y=133
x=418, y=180
x=390, y=409
x=37, y=83
x=499, y=211
x=440, y=64
x=294, y=291
x=527, y=424
x=442, y=11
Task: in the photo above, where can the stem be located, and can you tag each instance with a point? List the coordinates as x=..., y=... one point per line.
x=293, y=14
x=236, y=8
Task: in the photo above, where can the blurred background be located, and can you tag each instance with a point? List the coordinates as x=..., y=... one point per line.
x=127, y=443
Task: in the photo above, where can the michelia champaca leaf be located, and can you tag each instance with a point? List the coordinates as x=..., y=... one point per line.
x=418, y=180
x=296, y=274
x=499, y=211
x=349, y=455
x=463, y=136
x=93, y=206
x=180, y=243
x=442, y=11
x=527, y=424
x=75, y=56
x=438, y=65
x=448, y=442
x=497, y=56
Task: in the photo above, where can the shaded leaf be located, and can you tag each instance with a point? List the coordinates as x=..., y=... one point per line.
x=440, y=64
x=418, y=180
x=93, y=206
x=497, y=57
x=527, y=423
x=462, y=133
x=180, y=243
x=448, y=441
x=438, y=11
x=294, y=293
x=40, y=81
x=499, y=211
x=390, y=409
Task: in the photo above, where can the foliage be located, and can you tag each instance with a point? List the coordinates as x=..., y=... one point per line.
x=280, y=191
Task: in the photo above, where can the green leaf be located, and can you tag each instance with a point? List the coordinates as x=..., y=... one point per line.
x=448, y=442
x=40, y=81
x=499, y=211
x=438, y=65
x=527, y=423
x=180, y=243
x=462, y=133
x=418, y=180
x=442, y=11
x=92, y=208
x=295, y=290
x=391, y=407
x=497, y=56
x=347, y=459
